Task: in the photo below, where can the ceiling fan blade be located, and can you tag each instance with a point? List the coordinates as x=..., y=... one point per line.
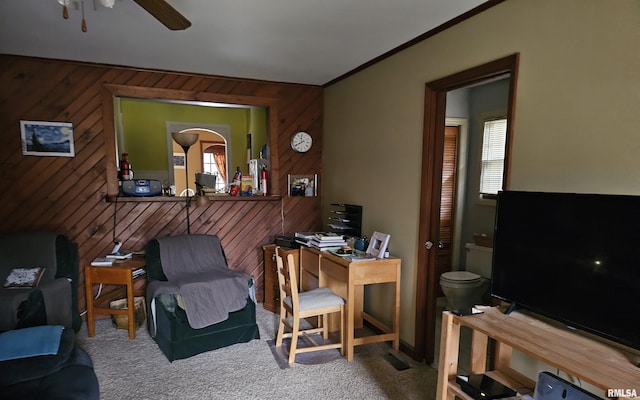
x=164, y=13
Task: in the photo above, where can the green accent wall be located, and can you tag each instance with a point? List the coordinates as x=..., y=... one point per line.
x=145, y=133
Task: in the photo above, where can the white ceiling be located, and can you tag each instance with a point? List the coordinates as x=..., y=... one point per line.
x=300, y=41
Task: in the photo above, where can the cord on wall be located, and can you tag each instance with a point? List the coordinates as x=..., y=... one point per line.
x=115, y=210
x=281, y=215
x=94, y=297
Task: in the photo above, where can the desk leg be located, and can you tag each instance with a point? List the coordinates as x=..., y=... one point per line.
x=131, y=309
x=350, y=326
x=88, y=286
x=396, y=315
x=357, y=305
x=449, y=348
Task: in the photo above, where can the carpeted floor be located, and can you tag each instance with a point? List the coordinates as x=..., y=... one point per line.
x=137, y=369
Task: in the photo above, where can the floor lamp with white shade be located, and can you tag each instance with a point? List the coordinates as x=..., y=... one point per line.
x=186, y=140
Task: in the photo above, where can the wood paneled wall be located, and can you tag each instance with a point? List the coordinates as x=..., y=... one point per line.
x=68, y=195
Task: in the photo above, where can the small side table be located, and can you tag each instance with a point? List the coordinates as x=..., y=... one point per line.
x=120, y=273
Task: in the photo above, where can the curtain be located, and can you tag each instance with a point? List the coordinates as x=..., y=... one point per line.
x=221, y=161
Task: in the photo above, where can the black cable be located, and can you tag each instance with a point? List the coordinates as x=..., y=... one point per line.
x=115, y=210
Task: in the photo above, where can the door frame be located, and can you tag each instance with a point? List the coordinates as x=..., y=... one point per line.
x=461, y=182
x=432, y=152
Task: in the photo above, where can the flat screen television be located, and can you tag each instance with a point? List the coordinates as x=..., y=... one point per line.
x=574, y=258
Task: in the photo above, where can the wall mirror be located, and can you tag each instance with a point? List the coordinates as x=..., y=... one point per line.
x=139, y=121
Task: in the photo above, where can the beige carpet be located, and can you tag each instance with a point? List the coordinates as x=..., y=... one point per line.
x=137, y=369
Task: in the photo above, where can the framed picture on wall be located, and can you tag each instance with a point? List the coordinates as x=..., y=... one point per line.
x=302, y=185
x=41, y=138
x=178, y=160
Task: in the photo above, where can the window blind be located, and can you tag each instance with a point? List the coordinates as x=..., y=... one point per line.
x=493, y=150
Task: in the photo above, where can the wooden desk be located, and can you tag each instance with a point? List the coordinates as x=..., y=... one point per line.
x=120, y=273
x=347, y=279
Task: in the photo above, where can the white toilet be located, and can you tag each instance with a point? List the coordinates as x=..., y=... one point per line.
x=464, y=289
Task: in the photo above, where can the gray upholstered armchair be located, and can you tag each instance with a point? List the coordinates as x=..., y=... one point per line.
x=54, y=301
x=196, y=303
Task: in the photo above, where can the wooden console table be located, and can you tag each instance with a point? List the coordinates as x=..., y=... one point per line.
x=347, y=279
x=593, y=361
x=120, y=273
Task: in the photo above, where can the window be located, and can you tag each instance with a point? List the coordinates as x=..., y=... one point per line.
x=214, y=162
x=493, y=150
x=210, y=166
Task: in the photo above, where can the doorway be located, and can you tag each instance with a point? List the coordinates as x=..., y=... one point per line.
x=448, y=196
x=433, y=165
x=208, y=133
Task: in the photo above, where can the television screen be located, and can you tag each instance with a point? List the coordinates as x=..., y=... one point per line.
x=571, y=257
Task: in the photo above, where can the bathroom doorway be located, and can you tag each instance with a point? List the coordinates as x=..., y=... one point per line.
x=433, y=192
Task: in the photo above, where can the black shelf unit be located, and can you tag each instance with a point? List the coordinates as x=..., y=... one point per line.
x=345, y=219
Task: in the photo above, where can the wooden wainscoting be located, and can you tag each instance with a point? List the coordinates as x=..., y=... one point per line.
x=68, y=194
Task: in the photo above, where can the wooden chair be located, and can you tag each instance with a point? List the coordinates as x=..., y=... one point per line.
x=318, y=302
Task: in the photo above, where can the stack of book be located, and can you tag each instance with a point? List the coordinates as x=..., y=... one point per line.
x=138, y=272
x=303, y=237
x=320, y=240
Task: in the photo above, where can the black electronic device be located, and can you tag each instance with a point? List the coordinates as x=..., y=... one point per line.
x=142, y=187
x=552, y=387
x=483, y=387
x=287, y=241
x=571, y=257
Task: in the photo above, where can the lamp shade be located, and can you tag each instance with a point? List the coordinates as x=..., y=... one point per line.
x=185, y=139
x=202, y=200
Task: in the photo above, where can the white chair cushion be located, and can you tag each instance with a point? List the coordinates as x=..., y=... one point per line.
x=316, y=298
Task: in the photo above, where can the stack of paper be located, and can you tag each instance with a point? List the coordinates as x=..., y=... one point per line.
x=121, y=255
x=102, y=262
x=360, y=257
x=326, y=240
x=303, y=237
x=320, y=240
x=138, y=272
x=327, y=236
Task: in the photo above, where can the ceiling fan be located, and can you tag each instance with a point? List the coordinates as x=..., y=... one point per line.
x=165, y=13
x=160, y=9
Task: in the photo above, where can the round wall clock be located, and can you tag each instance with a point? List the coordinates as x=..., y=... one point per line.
x=301, y=142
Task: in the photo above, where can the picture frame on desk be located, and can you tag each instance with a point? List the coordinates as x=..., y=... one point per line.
x=302, y=185
x=378, y=244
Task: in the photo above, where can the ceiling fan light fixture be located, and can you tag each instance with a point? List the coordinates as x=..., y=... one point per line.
x=65, y=10
x=160, y=9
